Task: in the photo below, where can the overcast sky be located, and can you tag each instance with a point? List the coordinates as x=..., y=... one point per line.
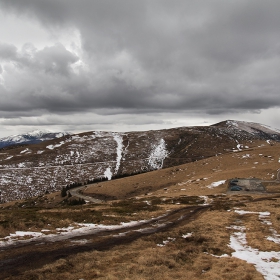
x=122, y=65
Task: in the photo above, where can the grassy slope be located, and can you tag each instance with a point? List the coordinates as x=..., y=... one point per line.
x=183, y=258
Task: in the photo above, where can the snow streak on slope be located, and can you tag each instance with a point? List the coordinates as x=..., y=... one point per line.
x=51, y=147
x=158, y=154
x=119, y=141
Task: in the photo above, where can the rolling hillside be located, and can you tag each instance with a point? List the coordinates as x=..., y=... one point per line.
x=32, y=170
x=180, y=222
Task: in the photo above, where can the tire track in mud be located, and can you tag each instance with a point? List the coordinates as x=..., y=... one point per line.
x=18, y=259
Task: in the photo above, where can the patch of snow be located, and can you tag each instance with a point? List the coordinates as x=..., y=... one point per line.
x=246, y=156
x=25, y=233
x=24, y=151
x=158, y=154
x=187, y=235
x=275, y=236
x=260, y=259
x=51, y=147
x=241, y=228
x=75, y=137
x=216, y=184
x=261, y=214
x=184, y=183
x=206, y=199
x=121, y=234
x=274, y=239
x=217, y=256
x=165, y=242
x=108, y=173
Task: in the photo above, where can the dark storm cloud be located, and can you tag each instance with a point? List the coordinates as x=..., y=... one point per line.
x=215, y=56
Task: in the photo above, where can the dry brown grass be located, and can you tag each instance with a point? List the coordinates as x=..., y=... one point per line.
x=188, y=258
x=273, y=187
x=193, y=178
x=183, y=258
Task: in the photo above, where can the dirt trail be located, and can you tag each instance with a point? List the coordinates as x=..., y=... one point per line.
x=15, y=260
x=76, y=193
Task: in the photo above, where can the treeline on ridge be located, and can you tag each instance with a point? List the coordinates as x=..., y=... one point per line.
x=64, y=190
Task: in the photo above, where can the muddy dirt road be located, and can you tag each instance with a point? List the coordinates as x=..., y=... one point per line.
x=76, y=193
x=16, y=259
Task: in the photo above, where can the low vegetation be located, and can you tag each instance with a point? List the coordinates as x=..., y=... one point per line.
x=190, y=251
x=193, y=246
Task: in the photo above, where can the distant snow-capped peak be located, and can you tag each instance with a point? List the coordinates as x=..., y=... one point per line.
x=251, y=127
x=31, y=137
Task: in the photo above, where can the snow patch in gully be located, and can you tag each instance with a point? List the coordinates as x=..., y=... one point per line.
x=119, y=141
x=108, y=173
x=158, y=154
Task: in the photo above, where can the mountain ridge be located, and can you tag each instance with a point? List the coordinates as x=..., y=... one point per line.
x=33, y=137
x=48, y=166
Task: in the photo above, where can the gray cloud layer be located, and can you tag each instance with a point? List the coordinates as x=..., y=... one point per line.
x=145, y=56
